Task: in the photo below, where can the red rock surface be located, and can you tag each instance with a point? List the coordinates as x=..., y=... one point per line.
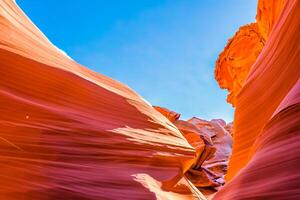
x=212, y=143
x=265, y=160
x=279, y=53
x=70, y=133
x=235, y=61
x=267, y=14
x=170, y=115
x=242, y=50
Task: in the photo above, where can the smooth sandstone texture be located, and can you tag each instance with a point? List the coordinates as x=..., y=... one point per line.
x=273, y=172
x=70, y=133
x=266, y=156
x=270, y=79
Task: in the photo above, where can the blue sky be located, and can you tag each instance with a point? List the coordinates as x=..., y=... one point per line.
x=163, y=49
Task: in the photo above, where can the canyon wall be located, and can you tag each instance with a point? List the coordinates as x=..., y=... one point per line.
x=265, y=160
x=70, y=133
x=242, y=50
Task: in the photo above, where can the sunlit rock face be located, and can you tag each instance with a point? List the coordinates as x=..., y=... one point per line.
x=237, y=58
x=70, y=133
x=212, y=143
x=170, y=115
x=267, y=14
x=266, y=154
x=242, y=50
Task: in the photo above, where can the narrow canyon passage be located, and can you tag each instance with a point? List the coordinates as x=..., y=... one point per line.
x=68, y=132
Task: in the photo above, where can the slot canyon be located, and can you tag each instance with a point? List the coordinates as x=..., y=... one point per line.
x=68, y=132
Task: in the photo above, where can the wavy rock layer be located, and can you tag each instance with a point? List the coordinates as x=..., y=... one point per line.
x=266, y=155
x=68, y=132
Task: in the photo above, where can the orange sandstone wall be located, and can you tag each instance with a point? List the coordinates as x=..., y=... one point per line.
x=268, y=11
x=242, y=50
x=266, y=155
x=70, y=133
x=235, y=61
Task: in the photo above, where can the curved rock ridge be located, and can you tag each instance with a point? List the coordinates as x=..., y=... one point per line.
x=212, y=142
x=242, y=50
x=266, y=156
x=68, y=132
x=278, y=64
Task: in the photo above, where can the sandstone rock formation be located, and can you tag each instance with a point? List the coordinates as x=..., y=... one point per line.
x=265, y=160
x=235, y=61
x=70, y=133
x=212, y=143
x=241, y=51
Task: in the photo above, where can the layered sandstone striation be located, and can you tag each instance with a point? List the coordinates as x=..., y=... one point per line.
x=265, y=159
x=70, y=133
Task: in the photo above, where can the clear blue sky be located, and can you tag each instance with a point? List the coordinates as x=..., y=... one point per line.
x=163, y=49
